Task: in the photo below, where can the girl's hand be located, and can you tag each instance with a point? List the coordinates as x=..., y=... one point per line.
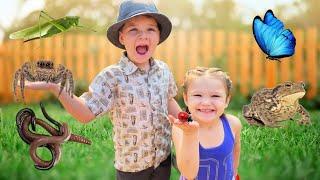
x=185, y=126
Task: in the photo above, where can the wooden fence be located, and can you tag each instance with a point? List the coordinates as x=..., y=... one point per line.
x=235, y=52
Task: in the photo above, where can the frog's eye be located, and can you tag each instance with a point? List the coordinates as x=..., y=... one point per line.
x=288, y=85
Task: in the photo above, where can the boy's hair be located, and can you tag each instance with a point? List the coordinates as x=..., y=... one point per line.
x=204, y=71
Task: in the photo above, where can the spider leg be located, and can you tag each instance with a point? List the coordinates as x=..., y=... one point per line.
x=63, y=83
x=71, y=85
x=22, y=85
x=15, y=83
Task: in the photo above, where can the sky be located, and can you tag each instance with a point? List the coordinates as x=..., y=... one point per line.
x=9, y=9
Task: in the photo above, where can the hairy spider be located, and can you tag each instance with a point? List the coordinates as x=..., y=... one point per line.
x=43, y=70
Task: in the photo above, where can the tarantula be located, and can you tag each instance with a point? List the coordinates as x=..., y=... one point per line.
x=43, y=70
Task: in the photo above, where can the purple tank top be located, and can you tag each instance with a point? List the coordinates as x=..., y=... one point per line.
x=217, y=163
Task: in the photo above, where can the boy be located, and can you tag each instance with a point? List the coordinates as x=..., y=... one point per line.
x=138, y=91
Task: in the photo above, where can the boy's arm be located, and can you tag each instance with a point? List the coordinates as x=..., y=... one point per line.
x=173, y=108
x=185, y=138
x=74, y=105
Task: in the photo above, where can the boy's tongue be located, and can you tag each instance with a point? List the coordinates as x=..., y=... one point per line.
x=142, y=49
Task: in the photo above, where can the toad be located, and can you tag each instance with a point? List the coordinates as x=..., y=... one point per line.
x=269, y=107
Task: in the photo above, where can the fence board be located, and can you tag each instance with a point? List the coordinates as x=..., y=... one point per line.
x=86, y=55
x=194, y=49
x=257, y=69
x=271, y=73
x=47, y=49
x=285, y=73
x=92, y=50
x=169, y=52
x=219, y=43
x=231, y=56
x=206, y=47
x=298, y=57
x=181, y=49
x=2, y=73
x=245, y=63
x=68, y=53
x=103, y=60
x=58, y=49
x=80, y=62
x=311, y=61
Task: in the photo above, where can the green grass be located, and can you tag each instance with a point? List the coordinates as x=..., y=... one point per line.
x=266, y=153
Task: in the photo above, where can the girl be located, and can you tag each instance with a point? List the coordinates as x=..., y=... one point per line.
x=209, y=146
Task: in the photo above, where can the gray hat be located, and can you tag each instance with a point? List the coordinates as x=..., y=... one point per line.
x=131, y=8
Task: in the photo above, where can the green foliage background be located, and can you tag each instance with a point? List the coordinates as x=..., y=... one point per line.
x=292, y=152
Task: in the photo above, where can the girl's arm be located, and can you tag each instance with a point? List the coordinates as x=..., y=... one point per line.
x=236, y=127
x=185, y=138
x=74, y=105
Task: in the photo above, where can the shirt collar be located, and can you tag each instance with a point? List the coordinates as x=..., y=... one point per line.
x=129, y=67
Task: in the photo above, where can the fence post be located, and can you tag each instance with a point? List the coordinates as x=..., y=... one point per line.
x=257, y=69
x=194, y=49
x=311, y=61
x=219, y=43
x=298, y=70
x=2, y=72
x=245, y=63
x=182, y=48
x=232, y=50
x=206, y=49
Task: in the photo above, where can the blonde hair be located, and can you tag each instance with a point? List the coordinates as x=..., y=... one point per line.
x=204, y=71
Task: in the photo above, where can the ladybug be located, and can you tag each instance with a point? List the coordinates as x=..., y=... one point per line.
x=184, y=117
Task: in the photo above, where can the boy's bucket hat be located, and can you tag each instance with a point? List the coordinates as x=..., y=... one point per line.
x=131, y=8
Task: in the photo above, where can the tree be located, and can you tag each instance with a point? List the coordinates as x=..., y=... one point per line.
x=181, y=13
x=220, y=14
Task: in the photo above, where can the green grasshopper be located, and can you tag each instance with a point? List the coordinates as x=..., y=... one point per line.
x=47, y=29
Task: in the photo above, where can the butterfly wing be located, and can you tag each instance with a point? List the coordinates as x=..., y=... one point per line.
x=263, y=34
x=284, y=45
x=270, y=20
x=272, y=38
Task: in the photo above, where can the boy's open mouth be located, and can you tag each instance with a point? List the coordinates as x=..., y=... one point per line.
x=142, y=49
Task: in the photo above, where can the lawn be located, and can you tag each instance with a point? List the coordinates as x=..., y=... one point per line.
x=292, y=152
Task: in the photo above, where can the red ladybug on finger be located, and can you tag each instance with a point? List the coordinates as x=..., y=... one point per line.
x=184, y=117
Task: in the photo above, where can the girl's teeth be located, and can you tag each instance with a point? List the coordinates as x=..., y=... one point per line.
x=205, y=110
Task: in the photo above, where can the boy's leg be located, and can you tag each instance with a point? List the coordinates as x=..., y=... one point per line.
x=162, y=172
x=144, y=174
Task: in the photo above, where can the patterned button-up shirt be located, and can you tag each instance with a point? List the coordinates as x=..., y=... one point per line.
x=138, y=104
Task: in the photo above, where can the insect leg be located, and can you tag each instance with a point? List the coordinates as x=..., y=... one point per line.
x=51, y=21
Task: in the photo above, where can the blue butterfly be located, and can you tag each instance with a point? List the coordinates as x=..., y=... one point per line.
x=272, y=38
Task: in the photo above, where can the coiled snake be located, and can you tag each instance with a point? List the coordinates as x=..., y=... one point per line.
x=26, y=118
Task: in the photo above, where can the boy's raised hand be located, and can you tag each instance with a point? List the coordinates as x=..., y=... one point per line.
x=185, y=126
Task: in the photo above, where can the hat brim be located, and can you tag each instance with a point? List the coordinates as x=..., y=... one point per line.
x=163, y=21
